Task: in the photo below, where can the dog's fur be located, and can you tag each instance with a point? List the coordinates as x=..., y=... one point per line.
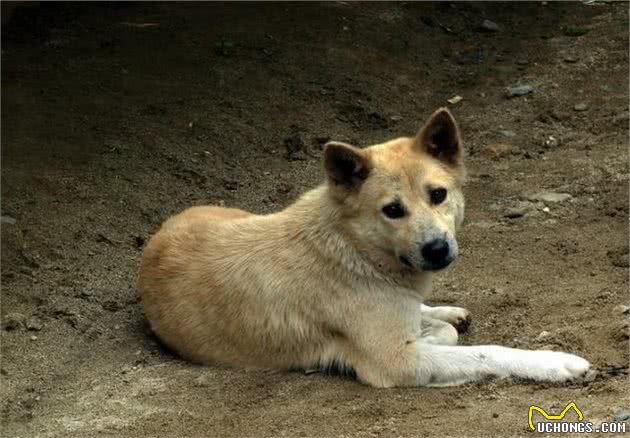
x=331, y=279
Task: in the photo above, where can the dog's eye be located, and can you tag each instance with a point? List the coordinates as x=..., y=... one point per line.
x=394, y=210
x=437, y=196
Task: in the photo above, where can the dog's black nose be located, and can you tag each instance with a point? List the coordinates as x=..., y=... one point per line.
x=436, y=254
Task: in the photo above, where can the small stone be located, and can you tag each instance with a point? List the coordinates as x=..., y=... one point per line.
x=550, y=197
x=34, y=324
x=455, y=99
x=13, y=321
x=621, y=309
x=496, y=151
x=7, y=220
x=518, y=90
x=570, y=59
x=489, y=26
x=580, y=107
x=519, y=210
x=202, y=381
x=111, y=306
x=575, y=31
x=395, y=118
x=495, y=415
x=546, y=210
x=551, y=142
x=522, y=62
x=621, y=414
x=543, y=335
x=33, y=338
x=506, y=133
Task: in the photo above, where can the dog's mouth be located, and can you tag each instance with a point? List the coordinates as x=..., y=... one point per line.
x=436, y=266
x=405, y=261
x=426, y=266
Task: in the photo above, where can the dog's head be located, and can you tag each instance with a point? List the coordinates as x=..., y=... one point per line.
x=401, y=202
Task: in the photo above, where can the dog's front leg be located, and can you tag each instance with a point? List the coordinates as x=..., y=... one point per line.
x=442, y=365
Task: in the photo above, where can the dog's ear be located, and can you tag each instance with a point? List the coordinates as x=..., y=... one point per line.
x=346, y=165
x=439, y=137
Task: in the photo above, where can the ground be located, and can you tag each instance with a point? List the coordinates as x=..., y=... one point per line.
x=115, y=116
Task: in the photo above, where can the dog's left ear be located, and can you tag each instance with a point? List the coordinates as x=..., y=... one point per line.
x=439, y=137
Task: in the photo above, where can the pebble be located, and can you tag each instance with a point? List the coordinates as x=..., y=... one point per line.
x=621, y=414
x=570, y=59
x=551, y=142
x=203, y=381
x=622, y=309
x=33, y=338
x=550, y=197
x=496, y=151
x=13, y=321
x=580, y=107
x=506, y=133
x=7, y=220
x=455, y=99
x=518, y=210
x=543, y=335
x=34, y=324
x=546, y=210
x=489, y=26
x=518, y=90
x=619, y=257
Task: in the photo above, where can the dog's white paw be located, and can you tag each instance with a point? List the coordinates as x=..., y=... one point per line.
x=458, y=317
x=552, y=366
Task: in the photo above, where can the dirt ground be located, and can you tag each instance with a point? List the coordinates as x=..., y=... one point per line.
x=115, y=116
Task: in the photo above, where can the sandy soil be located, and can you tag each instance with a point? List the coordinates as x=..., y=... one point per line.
x=115, y=116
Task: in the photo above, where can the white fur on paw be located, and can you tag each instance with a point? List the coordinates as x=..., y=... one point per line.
x=553, y=366
x=456, y=316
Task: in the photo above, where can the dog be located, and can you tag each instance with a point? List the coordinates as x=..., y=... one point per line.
x=336, y=278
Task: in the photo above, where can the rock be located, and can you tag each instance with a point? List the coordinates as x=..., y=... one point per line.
x=575, y=31
x=34, y=324
x=551, y=142
x=112, y=306
x=203, y=381
x=619, y=257
x=550, y=197
x=570, y=59
x=33, y=338
x=224, y=48
x=580, y=107
x=518, y=210
x=13, y=321
x=518, y=90
x=455, y=99
x=489, y=26
x=295, y=148
x=621, y=414
x=506, y=133
x=543, y=335
x=496, y=151
x=7, y=220
x=395, y=118
x=621, y=309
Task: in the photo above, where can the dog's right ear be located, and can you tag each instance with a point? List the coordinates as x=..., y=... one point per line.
x=346, y=165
